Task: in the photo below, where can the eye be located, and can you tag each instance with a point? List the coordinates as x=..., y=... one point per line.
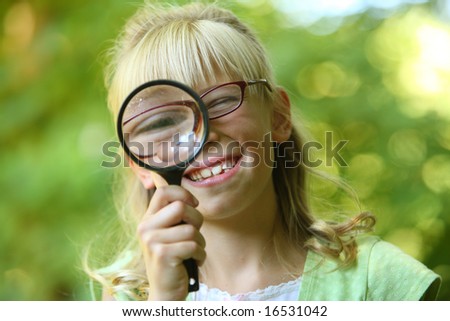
x=161, y=127
x=223, y=103
x=156, y=123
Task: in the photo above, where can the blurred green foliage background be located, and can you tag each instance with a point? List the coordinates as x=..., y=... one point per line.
x=375, y=73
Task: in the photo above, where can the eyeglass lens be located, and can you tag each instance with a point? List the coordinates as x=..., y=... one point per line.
x=223, y=100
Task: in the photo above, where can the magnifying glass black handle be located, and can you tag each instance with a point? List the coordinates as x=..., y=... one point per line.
x=192, y=271
x=174, y=178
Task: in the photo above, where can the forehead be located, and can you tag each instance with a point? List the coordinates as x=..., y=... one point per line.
x=219, y=79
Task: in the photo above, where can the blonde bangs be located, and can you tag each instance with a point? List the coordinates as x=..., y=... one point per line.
x=186, y=51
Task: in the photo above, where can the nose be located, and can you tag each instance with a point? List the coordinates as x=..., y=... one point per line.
x=215, y=131
x=213, y=135
x=212, y=148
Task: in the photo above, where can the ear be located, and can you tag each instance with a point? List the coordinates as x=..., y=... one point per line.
x=281, y=118
x=144, y=175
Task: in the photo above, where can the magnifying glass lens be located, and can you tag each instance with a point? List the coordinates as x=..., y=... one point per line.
x=162, y=126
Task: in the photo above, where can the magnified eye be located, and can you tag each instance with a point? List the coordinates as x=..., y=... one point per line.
x=158, y=122
x=160, y=126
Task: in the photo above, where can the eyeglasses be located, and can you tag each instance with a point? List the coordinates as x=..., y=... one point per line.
x=220, y=100
x=223, y=99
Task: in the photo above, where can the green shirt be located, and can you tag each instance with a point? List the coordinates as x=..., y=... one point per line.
x=382, y=272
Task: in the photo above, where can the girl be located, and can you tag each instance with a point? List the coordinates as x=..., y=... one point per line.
x=249, y=228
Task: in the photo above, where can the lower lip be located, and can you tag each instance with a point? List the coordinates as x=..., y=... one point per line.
x=217, y=179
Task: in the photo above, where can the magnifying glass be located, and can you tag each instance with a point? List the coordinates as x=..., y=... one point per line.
x=162, y=126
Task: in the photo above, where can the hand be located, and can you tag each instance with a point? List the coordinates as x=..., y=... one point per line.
x=166, y=243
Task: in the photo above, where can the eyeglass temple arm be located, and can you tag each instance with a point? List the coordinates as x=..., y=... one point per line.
x=259, y=81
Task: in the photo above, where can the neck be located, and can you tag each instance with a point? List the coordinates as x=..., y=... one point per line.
x=240, y=252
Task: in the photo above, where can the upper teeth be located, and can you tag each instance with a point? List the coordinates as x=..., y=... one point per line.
x=211, y=171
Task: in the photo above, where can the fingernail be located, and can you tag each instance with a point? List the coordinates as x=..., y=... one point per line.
x=196, y=202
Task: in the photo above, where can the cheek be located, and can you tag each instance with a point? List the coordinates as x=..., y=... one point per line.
x=258, y=158
x=252, y=122
x=253, y=133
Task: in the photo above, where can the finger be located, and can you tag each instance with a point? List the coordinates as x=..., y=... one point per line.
x=174, y=254
x=168, y=194
x=179, y=233
x=173, y=214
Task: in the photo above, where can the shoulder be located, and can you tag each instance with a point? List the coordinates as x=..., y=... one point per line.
x=394, y=275
x=381, y=272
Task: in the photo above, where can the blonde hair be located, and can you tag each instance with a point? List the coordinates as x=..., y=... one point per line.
x=192, y=44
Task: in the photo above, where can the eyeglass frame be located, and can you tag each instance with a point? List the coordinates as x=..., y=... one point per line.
x=242, y=85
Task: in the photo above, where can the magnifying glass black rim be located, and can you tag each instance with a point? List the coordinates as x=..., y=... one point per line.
x=190, y=91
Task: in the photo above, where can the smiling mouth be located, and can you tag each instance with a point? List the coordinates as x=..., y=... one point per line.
x=218, y=169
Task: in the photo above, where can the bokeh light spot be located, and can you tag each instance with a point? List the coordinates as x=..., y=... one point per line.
x=327, y=79
x=19, y=27
x=436, y=173
x=407, y=147
x=409, y=240
x=364, y=172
